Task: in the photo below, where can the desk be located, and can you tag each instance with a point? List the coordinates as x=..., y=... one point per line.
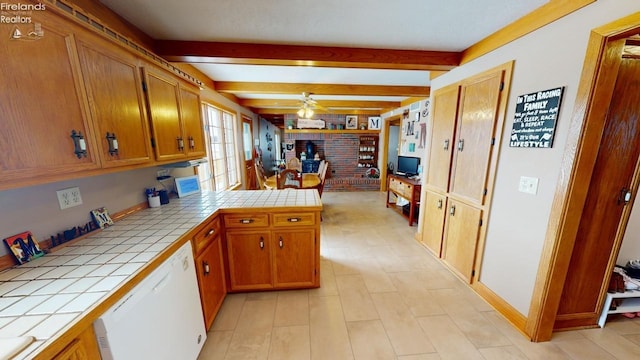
x=409, y=189
x=309, y=180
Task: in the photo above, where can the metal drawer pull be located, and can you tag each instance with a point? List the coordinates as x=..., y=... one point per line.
x=452, y=210
x=439, y=203
x=246, y=221
x=261, y=243
x=281, y=242
x=295, y=219
x=205, y=267
x=446, y=144
x=211, y=232
x=460, y=144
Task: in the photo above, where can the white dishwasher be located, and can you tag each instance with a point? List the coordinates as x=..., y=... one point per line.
x=160, y=318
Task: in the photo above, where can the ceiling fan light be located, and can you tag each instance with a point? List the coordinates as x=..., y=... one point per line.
x=301, y=113
x=308, y=113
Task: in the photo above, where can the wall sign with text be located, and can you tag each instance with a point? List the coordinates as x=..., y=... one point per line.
x=534, y=122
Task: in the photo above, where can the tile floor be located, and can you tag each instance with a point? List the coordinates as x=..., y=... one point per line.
x=383, y=296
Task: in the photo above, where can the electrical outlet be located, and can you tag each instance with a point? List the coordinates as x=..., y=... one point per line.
x=69, y=197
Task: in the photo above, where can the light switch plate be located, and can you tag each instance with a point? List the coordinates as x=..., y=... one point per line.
x=69, y=197
x=528, y=185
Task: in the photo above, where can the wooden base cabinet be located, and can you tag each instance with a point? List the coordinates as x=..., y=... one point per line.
x=433, y=224
x=278, y=251
x=207, y=245
x=462, y=228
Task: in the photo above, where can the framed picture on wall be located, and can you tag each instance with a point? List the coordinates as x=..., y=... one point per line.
x=352, y=122
x=375, y=122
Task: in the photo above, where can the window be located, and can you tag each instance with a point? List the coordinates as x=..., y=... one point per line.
x=221, y=172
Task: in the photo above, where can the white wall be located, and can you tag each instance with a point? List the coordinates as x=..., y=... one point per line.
x=630, y=249
x=548, y=58
x=36, y=208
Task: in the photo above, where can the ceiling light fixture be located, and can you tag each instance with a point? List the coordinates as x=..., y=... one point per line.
x=305, y=112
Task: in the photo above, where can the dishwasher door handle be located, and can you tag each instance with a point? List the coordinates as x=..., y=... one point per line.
x=162, y=283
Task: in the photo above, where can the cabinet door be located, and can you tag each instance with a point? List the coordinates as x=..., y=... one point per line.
x=191, y=115
x=444, y=115
x=114, y=88
x=461, y=238
x=433, y=224
x=474, y=139
x=163, y=99
x=41, y=103
x=249, y=257
x=84, y=347
x=294, y=258
x=211, y=280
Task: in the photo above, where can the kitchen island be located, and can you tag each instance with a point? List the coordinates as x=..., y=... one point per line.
x=57, y=298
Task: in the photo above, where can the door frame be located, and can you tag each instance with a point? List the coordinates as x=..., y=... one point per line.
x=393, y=120
x=595, y=91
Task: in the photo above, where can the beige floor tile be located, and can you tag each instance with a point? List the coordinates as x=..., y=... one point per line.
x=420, y=357
x=355, y=298
x=402, y=328
x=369, y=341
x=583, y=350
x=478, y=329
x=327, y=329
x=615, y=344
x=633, y=338
x=328, y=285
x=215, y=348
x=292, y=308
x=290, y=343
x=503, y=353
x=227, y=317
x=252, y=336
x=447, y=338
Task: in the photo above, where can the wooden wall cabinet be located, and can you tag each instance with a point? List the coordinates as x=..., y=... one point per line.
x=280, y=252
x=174, y=111
x=210, y=269
x=114, y=90
x=74, y=81
x=467, y=123
x=41, y=104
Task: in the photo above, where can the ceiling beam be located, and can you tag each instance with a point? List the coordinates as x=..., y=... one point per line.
x=320, y=89
x=323, y=103
x=271, y=111
x=302, y=55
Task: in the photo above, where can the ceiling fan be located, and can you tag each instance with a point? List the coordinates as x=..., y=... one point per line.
x=308, y=106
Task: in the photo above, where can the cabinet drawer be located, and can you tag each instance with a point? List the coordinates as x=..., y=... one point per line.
x=246, y=220
x=208, y=233
x=294, y=219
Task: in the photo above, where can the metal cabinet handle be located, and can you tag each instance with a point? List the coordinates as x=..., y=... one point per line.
x=439, y=203
x=261, y=243
x=446, y=144
x=112, y=141
x=192, y=143
x=211, y=232
x=452, y=210
x=625, y=196
x=180, y=143
x=281, y=242
x=246, y=221
x=205, y=267
x=460, y=144
x=294, y=219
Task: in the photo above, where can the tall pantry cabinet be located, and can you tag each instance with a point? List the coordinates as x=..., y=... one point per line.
x=467, y=120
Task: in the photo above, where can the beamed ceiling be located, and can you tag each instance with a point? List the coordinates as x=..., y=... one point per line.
x=353, y=57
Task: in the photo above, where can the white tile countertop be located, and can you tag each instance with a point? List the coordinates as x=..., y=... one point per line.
x=45, y=297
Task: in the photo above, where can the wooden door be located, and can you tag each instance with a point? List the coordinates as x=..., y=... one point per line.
x=433, y=224
x=249, y=256
x=164, y=111
x=477, y=117
x=615, y=164
x=444, y=115
x=114, y=89
x=461, y=238
x=191, y=115
x=294, y=258
x=210, y=271
x=249, y=154
x=41, y=103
